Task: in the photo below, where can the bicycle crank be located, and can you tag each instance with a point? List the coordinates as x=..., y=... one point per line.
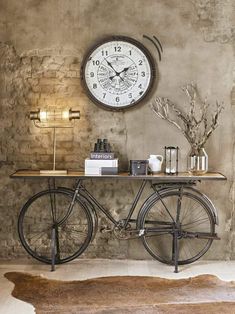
x=126, y=234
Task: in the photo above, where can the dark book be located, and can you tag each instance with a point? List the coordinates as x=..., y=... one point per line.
x=103, y=155
x=109, y=170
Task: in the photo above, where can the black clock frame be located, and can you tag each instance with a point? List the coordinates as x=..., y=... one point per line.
x=133, y=42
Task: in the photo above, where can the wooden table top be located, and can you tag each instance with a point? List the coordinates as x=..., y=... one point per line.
x=180, y=177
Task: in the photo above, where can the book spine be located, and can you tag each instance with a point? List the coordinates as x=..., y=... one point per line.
x=104, y=156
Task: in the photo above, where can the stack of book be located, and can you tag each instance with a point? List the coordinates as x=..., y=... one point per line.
x=102, y=161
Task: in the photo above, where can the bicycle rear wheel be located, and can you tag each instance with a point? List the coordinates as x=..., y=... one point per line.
x=196, y=227
x=42, y=213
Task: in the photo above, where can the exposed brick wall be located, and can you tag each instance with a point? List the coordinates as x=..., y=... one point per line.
x=49, y=79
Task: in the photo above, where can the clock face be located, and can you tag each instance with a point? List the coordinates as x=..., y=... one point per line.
x=118, y=73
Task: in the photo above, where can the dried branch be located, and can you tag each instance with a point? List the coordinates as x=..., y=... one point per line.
x=195, y=125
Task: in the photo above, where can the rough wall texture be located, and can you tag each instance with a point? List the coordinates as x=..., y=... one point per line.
x=42, y=45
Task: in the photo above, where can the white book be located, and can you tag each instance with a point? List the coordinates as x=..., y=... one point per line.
x=93, y=166
x=101, y=163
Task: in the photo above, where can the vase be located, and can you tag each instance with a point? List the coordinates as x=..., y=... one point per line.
x=197, y=161
x=155, y=163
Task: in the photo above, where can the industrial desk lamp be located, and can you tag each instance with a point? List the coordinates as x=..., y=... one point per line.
x=54, y=120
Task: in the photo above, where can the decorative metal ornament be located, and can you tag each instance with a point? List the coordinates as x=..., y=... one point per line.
x=118, y=73
x=171, y=160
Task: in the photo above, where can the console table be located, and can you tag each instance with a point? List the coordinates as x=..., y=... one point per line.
x=46, y=230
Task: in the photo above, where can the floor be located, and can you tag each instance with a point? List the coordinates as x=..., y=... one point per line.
x=83, y=269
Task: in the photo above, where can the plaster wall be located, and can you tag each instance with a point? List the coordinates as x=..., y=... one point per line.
x=42, y=46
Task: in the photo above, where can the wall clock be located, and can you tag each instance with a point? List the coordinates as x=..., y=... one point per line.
x=118, y=72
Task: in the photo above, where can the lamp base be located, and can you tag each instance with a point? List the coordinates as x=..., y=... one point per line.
x=53, y=171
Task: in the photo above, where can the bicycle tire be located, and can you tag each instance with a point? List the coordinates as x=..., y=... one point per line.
x=36, y=221
x=160, y=246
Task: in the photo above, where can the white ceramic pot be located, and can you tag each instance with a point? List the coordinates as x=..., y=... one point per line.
x=155, y=163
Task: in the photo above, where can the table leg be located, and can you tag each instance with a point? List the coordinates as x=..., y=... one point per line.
x=53, y=249
x=176, y=251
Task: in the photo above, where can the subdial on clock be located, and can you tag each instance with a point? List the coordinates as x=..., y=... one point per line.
x=104, y=74
x=117, y=74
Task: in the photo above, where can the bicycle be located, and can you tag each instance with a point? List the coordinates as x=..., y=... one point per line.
x=176, y=223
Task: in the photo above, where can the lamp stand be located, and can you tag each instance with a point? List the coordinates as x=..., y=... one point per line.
x=54, y=171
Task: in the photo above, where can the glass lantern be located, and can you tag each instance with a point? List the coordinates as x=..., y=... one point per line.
x=171, y=160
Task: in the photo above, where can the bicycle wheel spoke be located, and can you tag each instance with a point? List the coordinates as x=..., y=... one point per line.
x=185, y=207
x=186, y=253
x=201, y=221
x=40, y=232
x=38, y=222
x=198, y=215
x=75, y=233
x=189, y=211
x=38, y=238
x=73, y=238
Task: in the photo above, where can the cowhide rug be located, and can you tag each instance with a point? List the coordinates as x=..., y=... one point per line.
x=203, y=294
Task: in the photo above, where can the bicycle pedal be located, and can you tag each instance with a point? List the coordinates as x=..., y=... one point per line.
x=141, y=232
x=105, y=229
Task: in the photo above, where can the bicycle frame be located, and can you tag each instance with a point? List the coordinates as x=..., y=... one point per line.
x=80, y=190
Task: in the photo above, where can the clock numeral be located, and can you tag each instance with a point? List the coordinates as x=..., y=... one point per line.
x=130, y=95
x=140, y=86
x=105, y=53
x=104, y=94
x=94, y=86
x=96, y=62
x=118, y=49
x=117, y=99
x=92, y=74
x=140, y=62
x=143, y=74
x=130, y=53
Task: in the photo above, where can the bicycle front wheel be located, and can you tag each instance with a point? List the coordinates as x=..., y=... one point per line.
x=42, y=213
x=196, y=227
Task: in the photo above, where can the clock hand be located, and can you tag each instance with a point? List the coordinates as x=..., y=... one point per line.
x=124, y=70
x=112, y=77
x=110, y=65
x=117, y=73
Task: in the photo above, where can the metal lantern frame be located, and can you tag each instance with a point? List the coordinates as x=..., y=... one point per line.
x=54, y=119
x=169, y=162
